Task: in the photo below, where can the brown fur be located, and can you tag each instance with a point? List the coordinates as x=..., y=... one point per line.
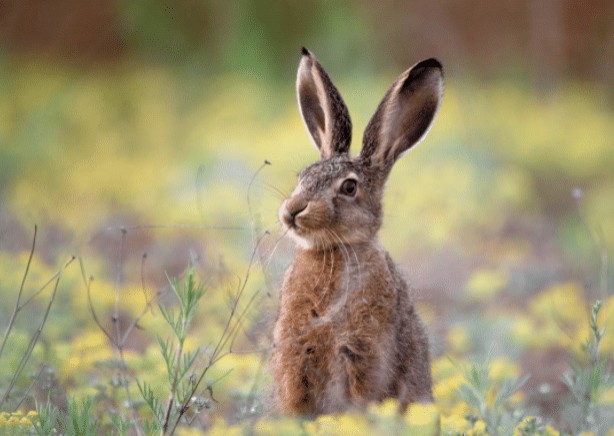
x=347, y=332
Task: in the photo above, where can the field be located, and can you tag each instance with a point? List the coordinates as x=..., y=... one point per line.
x=146, y=182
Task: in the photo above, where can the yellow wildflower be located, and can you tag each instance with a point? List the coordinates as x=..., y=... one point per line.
x=351, y=423
x=501, y=369
x=551, y=431
x=453, y=424
x=458, y=339
x=422, y=419
x=189, y=431
x=486, y=283
x=479, y=426
x=386, y=409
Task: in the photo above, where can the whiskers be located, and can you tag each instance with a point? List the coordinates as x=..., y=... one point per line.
x=345, y=248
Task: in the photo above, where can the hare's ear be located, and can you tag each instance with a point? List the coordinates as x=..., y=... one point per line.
x=322, y=108
x=405, y=114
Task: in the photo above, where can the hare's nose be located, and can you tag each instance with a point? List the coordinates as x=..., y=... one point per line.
x=291, y=211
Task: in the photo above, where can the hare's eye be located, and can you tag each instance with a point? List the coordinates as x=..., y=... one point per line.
x=348, y=187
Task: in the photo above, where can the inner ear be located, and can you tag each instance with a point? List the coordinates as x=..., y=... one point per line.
x=313, y=113
x=322, y=108
x=405, y=114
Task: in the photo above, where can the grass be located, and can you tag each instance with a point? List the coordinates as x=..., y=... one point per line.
x=134, y=175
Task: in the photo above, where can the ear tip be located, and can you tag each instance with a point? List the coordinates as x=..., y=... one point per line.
x=430, y=63
x=305, y=52
x=427, y=66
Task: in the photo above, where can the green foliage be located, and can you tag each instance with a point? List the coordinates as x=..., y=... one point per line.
x=183, y=379
x=48, y=418
x=79, y=420
x=588, y=382
x=489, y=401
x=493, y=177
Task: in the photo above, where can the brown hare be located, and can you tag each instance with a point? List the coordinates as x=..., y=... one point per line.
x=347, y=332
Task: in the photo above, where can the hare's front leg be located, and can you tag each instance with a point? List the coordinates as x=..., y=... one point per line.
x=302, y=369
x=360, y=357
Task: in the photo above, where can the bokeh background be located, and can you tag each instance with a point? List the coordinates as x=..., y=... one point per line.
x=152, y=119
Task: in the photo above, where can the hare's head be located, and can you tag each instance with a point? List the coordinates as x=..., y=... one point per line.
x=338, y=200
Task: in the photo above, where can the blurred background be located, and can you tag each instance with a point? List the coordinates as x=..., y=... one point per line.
x=156, y=117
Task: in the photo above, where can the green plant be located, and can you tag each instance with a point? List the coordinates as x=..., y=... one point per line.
x=186, y=394
x=48, y=416
x=489, y=400
x=587, y=382
x=79, y=420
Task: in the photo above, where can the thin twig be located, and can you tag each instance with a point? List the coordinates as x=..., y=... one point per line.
x=19, y=294
x=120, y=341
x=118, y=277
x=31, y=345
x=47, y=283
x=229, y=331
x=249, y=189
x=143, y=287
x=174, y=383
x=25, y=395
x=90, y=305
x=140, y=316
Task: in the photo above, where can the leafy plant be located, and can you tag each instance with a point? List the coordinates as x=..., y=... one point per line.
x=48, y=416
x=587, y=382
x=489, y=400
x=186, y=392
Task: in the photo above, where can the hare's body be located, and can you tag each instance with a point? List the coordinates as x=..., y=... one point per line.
x=347, y=331
x=339, y=343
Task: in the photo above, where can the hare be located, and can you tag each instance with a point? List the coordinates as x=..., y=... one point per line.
x=347, y=331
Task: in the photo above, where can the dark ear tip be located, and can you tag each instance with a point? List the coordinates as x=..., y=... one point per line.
x=427, y=64
x=430, y=63
x=305, y=52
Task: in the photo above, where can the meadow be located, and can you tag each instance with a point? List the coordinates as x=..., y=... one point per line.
x=142, y=302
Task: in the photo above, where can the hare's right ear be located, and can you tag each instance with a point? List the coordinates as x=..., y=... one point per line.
x=322, y=108
x=405, y=114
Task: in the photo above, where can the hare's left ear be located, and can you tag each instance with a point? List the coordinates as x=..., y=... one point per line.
x=405, y=114
x=322, y=108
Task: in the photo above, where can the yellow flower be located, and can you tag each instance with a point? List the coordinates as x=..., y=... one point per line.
x=446, y=389
x=422, y=419
x=523, y=331
x=189, y=431
x=501, y=369
x=386, y=409
x=326, y=424
x=458, y=339
x=443, y=367
x=479, y=426
x=220, y=428
x=550, y=431
x=89, y=347
x=453, y=424
x=486, y=283
x=352, y=423
x=561, y=303
x=284, y=426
